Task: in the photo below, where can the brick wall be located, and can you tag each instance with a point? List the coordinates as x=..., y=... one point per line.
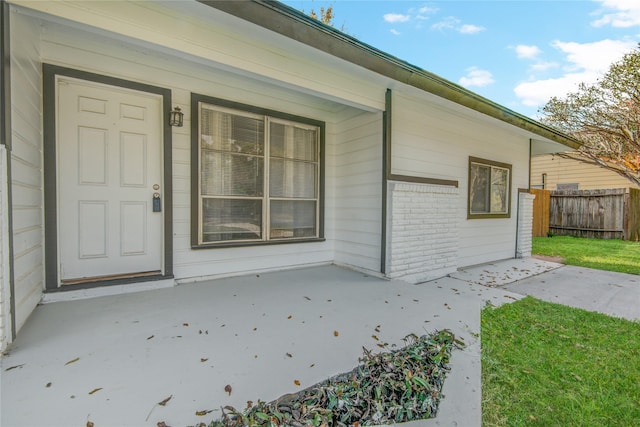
x=423, y=236
x=525, y=224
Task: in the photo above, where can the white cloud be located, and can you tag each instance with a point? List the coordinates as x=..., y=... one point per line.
x=618, y=13
x=584, y=63
x=544, y=66
x=453, y=23
x=426, y=9
x=476, y=77
x=448, y=23
x=394, y=32
x=396, y=17
x=527, y=52
x=471, y=29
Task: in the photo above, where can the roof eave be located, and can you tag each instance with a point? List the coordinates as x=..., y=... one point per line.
x=289, y=22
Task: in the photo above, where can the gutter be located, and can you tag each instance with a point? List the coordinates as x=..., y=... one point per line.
x=291, y=23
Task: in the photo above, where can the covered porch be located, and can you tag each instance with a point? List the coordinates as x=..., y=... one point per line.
x=111, y=359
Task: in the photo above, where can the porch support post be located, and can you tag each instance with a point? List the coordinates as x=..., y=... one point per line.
x=386, y=172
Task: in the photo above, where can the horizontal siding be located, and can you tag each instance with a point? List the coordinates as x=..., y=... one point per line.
x=68, y=47
x=358, y=182
x=567, y=171
x=210, y=35
x=26, y=165
x=432, y=139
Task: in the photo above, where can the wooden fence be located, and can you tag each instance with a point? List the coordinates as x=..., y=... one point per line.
x=540, y=212
x=602, y=214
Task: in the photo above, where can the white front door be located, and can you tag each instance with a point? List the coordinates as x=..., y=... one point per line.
x=109, y=167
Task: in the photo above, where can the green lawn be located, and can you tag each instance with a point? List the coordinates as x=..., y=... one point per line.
x=545, y=364
x=612, y=255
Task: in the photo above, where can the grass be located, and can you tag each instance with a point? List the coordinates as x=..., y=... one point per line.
x=612, y=255
x=544, y=364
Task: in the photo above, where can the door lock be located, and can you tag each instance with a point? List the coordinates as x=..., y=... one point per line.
x=157, y=205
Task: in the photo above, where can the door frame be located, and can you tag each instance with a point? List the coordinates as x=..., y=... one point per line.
x=52, y=257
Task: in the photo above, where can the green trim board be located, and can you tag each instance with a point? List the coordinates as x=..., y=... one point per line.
x=296, y=25
x=49, y=73
x=196, y=99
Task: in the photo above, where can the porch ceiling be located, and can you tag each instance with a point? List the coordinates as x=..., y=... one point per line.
x=109, y=360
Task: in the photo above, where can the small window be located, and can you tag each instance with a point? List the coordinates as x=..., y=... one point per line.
x=489, y=189
x=258, y=177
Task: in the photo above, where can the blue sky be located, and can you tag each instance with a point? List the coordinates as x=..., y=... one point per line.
x=518, y=53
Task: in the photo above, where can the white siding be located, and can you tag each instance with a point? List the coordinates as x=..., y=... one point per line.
x=358, y=194
x=525, y=225
x=567, y=171
x=71, y=48
x=26, y=165
x=5, y=326
x=434, y=139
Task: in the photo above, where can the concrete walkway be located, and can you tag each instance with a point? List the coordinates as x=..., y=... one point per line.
x=615, y=294
x=110, y=360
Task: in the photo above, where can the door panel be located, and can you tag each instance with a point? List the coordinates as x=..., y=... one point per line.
x=109, y=157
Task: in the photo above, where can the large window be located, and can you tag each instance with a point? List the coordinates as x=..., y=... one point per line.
x=489, y=189
x=258, y=176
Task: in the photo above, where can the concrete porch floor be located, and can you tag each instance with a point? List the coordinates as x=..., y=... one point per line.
x=111, y=359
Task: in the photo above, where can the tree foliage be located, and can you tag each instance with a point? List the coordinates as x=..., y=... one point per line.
x=326, y=15
x=605, y=117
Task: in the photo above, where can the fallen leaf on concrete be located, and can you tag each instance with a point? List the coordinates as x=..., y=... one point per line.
x=72, y=361
x=150, y=337
x=336, y=333
x=48, y=385
x=14, y=367
x=289, y=317
x=296, y=382
x=227, y=388
x=312, y=365
x=204, y=359
x=185, y=324
x=289, y=354
x=307, y=298
x=375, y=337
x=89, y=424
x=249, y=404
x=95, y=390
x=203, y=413
x=377, y=329
x=161, y=424
x=165, y=401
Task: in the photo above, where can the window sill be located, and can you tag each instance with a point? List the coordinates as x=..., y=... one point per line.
x=222, y=245
x=488, y=216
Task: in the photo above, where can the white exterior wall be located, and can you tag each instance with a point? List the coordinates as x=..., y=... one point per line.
x=5, y=326
x=70, y=47
x=525, y=225
x=423, y=240
x=358, y=192
x=26, y=165
x=433, y=138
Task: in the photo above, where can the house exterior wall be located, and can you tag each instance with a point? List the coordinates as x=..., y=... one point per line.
x=567, y=171
x=525, y=225
x=26, y=165
x=432, y=139
x=353, y=143
x=358, y=190
x=423, y=240
x=5, y=307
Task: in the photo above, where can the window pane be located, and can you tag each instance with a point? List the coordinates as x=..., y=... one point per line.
x=225, y=219
x=293, y=218
x=499, y=190
x=229, y=132
x=292, y=142
x=292, y=179
x=479, y=191
x=225, y=174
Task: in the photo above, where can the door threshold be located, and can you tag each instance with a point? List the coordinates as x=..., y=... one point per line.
x=107, y=288
x=109, y=278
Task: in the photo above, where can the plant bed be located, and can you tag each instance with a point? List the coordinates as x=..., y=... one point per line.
x=386, y=388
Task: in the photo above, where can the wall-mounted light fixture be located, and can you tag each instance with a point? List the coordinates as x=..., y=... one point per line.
x=176, y=117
